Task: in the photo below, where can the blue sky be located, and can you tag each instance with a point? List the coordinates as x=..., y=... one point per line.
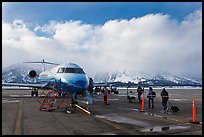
x=105, y=36
x=93, y=12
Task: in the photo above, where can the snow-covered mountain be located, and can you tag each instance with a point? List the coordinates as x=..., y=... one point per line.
x=18, y=73
x=157, y=79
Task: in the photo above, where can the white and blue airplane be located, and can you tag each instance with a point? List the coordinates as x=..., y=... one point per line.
x=68, y=78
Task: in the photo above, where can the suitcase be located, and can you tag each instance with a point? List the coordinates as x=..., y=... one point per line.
x=174, y=108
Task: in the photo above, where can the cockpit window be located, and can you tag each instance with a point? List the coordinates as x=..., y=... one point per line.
x=71, y=70
x=79, y=70
x=61, y=70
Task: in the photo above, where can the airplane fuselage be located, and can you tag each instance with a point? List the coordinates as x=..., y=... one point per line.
x=68, y=78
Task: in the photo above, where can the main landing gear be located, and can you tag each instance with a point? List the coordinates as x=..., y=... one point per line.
x=34, y=92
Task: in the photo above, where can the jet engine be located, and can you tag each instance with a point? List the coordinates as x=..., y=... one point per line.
x=32, y=73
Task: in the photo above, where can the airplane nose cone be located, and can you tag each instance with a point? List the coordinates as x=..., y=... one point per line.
x=81, y=83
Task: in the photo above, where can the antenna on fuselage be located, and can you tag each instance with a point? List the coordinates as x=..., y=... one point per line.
x=43, y=63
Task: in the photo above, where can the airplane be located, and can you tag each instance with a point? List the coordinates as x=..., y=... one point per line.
x=68, y=78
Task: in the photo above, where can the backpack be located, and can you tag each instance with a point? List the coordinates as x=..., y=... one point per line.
x=153, y=94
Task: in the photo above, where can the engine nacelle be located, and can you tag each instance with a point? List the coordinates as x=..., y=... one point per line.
x=32, y=73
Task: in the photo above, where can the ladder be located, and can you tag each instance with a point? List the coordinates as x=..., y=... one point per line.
x=50, y=101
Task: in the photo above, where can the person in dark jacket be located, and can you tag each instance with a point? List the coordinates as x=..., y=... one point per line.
x=91, y=85
x=139, y=93
x=165, y=96
x=151, y=97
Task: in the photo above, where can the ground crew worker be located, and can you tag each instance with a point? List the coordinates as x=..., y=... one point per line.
x=91, y=86
x=165, y=96
x=105, y=94
x=139, y=93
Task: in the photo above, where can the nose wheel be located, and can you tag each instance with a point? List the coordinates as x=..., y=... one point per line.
x=75, y=105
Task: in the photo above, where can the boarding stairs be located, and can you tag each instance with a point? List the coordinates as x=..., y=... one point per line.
x=53, y=101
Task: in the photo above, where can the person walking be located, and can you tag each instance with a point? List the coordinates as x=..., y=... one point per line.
x=165, y=97
x=151, y=95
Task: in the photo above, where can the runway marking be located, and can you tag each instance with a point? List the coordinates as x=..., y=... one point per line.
x=26, y=95
x=179, y=99
x=18, y=127
x=14, y=95
x=9, y=101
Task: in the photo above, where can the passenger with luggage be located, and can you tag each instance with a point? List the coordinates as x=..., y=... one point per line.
x=165, y=96
x=151, y=95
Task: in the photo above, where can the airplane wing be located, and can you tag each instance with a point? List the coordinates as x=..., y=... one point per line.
x=24, y=85
x=100, y=84
x=103, y=84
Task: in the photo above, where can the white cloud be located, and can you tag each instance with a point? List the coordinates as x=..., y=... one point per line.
x=154, y=42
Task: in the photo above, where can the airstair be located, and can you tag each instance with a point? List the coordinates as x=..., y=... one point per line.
x=53, y=101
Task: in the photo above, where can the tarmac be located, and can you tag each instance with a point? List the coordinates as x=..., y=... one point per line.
x=21, y=115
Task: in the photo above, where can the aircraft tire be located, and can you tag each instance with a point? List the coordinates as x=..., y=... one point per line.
x=32, y=93
x=36, y=93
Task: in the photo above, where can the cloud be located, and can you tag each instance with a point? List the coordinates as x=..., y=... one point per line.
x=152, y=43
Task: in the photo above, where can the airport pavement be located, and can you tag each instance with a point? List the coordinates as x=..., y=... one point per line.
x=21, y=115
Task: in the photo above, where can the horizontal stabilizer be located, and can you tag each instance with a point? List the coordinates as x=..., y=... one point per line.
x=43, y=62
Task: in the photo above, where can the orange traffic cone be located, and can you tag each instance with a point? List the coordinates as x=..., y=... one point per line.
x=194, y=112
x=107, y=100
x=142, y=110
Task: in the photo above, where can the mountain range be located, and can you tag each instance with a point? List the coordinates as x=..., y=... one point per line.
x=18, y=73
x=133, y=78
